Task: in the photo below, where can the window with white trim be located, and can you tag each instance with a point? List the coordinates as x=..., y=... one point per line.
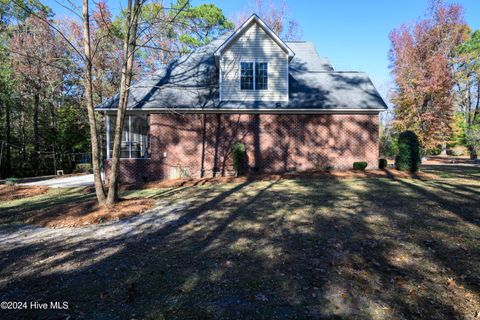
x=261, y=76
x=253, y=76
x=134, y=136
x=246, y=75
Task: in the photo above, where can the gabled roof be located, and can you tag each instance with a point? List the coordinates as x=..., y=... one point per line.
x=245, y=26
x=190, y=84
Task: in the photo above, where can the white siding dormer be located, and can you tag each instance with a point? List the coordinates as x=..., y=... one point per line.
x=256, y=46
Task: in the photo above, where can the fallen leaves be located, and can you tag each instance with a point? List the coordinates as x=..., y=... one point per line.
x=10, y=193
x=74, y=214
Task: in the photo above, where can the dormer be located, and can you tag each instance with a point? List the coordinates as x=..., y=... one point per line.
x=253, y=64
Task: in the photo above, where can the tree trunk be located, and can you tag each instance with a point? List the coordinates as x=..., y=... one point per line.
x=36, y=134
x=99, y=191
x=473, y=152
x=24, y=151
x=129, y=45
x=8, y=129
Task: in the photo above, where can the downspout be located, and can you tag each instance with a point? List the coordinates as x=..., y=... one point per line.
x=217, y=144
x=204, y=137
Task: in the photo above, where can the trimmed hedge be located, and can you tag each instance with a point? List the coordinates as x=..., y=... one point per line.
x=382, y=163
x=408, y=157
x=239, y=155
x=360, y=165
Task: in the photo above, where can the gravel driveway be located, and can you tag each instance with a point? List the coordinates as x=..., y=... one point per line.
x=66, y=182
x=75, y=241
x=149, y=221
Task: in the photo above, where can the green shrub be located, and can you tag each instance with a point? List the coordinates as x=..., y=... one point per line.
x=382, y=163
x=360, y=165
x=389, y=145
x=239, y=155
x=408, y=157
x=433, y=151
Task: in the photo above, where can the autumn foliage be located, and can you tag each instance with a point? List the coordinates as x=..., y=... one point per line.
x=420, y=57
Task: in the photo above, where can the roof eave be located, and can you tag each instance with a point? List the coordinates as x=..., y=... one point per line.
x=254, y=111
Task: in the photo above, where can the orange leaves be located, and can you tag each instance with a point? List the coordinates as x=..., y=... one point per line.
x=421, y=68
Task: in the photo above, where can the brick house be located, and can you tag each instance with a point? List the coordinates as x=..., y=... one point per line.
x=287, y=104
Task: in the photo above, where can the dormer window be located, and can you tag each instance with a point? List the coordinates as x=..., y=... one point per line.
x=253, y=76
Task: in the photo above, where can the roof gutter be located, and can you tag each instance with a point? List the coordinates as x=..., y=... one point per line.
x=249, y=111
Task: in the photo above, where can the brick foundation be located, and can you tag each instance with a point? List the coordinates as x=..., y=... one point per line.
x=275, y=143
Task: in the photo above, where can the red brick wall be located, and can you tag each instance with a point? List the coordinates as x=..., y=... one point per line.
x=275, y=143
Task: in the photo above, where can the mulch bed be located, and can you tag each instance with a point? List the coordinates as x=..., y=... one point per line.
x=334, y=174
x=74, y=214
x=9, y=193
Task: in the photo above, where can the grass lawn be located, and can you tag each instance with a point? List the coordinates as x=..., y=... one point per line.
x=307, y=248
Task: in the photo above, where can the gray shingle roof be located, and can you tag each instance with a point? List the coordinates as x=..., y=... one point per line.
x=307, y=58
x=191, y=82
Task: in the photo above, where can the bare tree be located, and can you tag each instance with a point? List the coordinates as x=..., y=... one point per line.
x=129, y=43
x=87, y=58
x=275, y=16
x=88, y=83
x=133, y=36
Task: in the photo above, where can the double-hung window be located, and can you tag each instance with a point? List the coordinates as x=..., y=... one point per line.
x=253, y=76
x=246, y=75
x=261, y=76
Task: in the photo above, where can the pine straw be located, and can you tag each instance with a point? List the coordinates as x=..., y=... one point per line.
x=335, y=174
x=9, y=193
x=85, y=212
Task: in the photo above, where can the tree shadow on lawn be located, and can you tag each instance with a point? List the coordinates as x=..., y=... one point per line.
x=452, y=171
x=432, y=244
x=373, y=248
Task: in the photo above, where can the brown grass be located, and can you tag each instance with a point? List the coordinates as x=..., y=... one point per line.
x=74, y=214
x=9, y=193
x=335, y=174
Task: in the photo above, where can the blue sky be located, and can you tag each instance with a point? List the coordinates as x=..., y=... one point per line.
x=353, y=34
